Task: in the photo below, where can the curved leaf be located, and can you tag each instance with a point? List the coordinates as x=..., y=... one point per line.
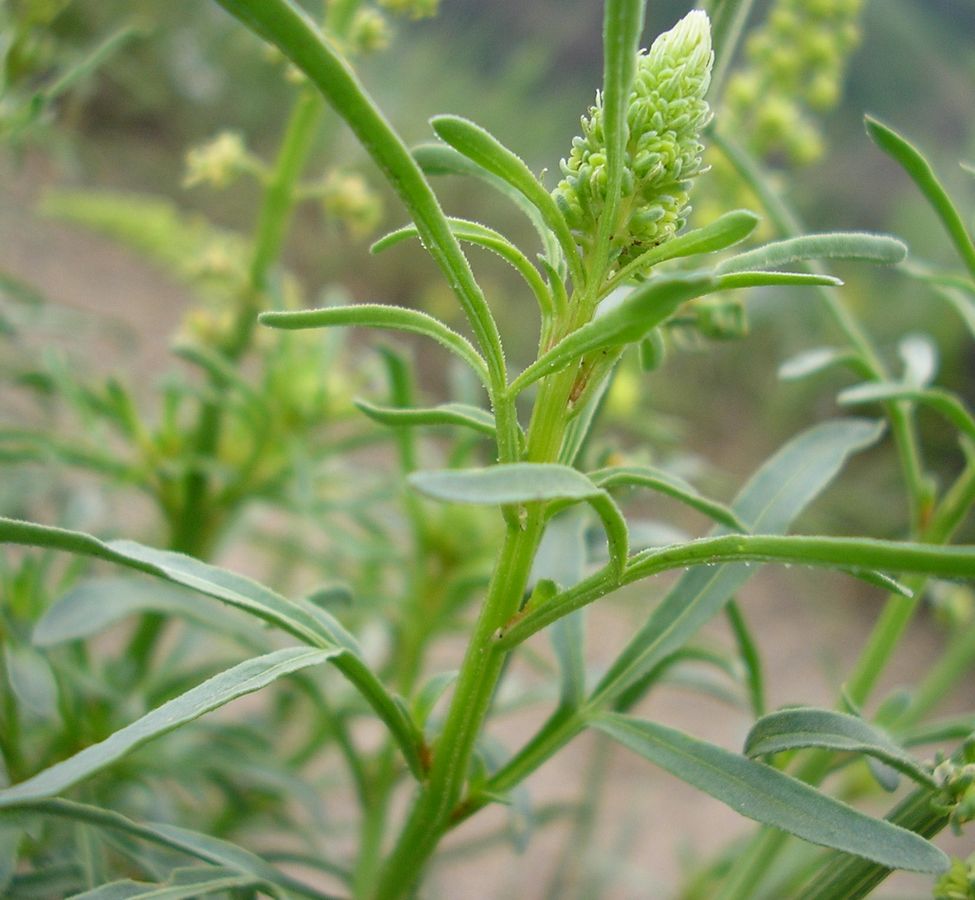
x=771, y=797
x=946, y=404
x=849, y=245
x=671, y=485
x=242, y=679
x=377, y=315
x=488, y=152
x=792, y=729
x=199, y=846
x=734, y=280
x=182, y=884
x=912, y=161
x=489, y=239
x=460, y=414
x=633, y=319
x=725, y=231
x=501, y=484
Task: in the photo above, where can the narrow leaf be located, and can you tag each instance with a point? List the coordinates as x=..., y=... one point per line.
x=734, y=280
x=376, y=315
x=488, y=152
x=501, y=484
x=460, y=414
x=941, y=401
x=242, y=679
x=629, y=322
x=725, y=231
x=440, y=159
x=773, y=798
x=199, y=846
x=489, y=239
x=183, y=884
x=848, y=245
x=778, y=492
x=811, y=362
x=96, y=604
x=792, y=729
x=912, y=161
x=666, y=483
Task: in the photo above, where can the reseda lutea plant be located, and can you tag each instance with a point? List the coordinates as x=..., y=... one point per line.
x=611, y=227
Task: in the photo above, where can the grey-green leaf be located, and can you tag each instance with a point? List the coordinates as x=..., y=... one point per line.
x=195, y=844
x=629, y=322
x=244, y=678
x=845, y=245
x=377, y=315
x=773, y=798
x=508, y=483
x=811, y=362
x=791, y=729
x=457, y=414
x=776, y=494
x=488, y=152
x=183, y=884
x=666, y=483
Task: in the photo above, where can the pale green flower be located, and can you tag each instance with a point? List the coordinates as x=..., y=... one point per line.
x=665, y=117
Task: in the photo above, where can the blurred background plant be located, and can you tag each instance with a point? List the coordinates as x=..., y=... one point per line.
x=96, y=118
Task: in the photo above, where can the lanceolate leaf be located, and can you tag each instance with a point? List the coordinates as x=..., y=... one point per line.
x=245, y=678
x=792, y=729
x=849, y=245
x=642, y=311
x=489, y=153
x=512, y=483
x=773, y=798
x=194, y=844
x=376, y=315
x=183, y=884
x=304, y=620
x=734, y=280
x=778, y=492
x=919, y=169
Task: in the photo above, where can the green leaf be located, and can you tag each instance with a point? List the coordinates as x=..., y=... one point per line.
x=778, y=492
x=665, y=483
x=943, y=402
x=792, y=729
x=31, y=681
x=376, y=315
x=440, y=159
x=428, y=696
x=922, y=174
x=773, y=798
x=304, y=620
x=622, y=27
x=502, y=484
x=460, y=414
x=629, y=322
x=182, y=884
x=242, y=679
x=735, y=280
x=99, y=603
x=489, y=239
x=488, y=152
x=725, y=231
x=920, y=355
x=848, y=245
x=11, y=835
x=527, y=483
x=199, y=846
x=811, y=362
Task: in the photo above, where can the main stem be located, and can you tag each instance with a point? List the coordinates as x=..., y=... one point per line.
x=439, y=799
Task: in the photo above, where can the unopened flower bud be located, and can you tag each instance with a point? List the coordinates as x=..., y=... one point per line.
x=217, y=162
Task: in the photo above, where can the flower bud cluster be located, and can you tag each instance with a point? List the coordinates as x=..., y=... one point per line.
x=218, y=162
x=414, y=9
x=958, y=883
x=666, y=113
x=369, y=31
x=795, y=71
x=347, y=197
